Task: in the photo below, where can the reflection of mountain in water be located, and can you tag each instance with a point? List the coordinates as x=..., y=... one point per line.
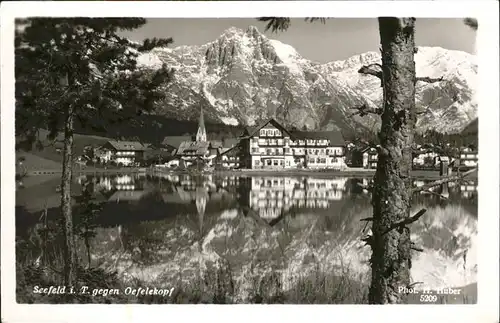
x=174, y=224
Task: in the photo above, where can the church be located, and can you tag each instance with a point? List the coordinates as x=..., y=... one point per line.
x=198, y=148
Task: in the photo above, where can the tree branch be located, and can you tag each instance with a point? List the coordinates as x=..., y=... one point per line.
x=406, y=221
x=434, y=193
x=414, y=284
x=413, y=246
x=364, y=110
x=443, y=181
x=374, y=69
x=429, y=79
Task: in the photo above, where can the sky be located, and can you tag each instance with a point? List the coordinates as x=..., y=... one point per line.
x=337, y=39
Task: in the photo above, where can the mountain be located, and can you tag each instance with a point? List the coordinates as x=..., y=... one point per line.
x=243, y=77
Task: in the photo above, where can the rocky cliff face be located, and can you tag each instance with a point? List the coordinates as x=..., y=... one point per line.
x=243, y=77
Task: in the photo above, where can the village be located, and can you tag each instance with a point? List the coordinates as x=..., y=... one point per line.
x=268, y=146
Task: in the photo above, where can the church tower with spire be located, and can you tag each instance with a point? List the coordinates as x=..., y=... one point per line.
x=201, y=135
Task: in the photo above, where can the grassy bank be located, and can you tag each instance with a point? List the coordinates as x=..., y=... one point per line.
x=215, y=285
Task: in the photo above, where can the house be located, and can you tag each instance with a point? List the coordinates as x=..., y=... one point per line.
x=271, y=146
x=426, y=156
x=468, y=157
x=191, y=151
x=370, y=158
x=125, y=153
x=229, y=154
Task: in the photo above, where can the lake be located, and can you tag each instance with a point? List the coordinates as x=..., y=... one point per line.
x=170, y=228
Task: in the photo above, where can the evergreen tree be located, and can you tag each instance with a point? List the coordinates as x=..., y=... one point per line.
x=80, y=70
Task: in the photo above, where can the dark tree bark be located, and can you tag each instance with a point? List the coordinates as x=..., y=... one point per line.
x=391, y=199
x=70, y=257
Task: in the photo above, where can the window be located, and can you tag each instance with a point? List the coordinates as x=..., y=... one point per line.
x=257, y=162
x=282, y=162
x=323, y=160
x=287, y=150
x=262, y=132
x=270, y=132
x=312, y=160
x=275, y=162
x=255, y=150
x=268, y=151
x=268, y=162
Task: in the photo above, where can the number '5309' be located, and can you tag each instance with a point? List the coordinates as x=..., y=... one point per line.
x=428, y=298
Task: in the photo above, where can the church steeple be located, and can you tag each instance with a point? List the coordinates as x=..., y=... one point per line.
x=201, y=135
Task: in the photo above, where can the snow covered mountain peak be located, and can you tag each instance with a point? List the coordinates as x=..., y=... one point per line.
x=243, y=76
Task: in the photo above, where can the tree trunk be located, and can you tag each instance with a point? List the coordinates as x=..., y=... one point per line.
x=70, y=257
x=87, y=247
x=391, y=256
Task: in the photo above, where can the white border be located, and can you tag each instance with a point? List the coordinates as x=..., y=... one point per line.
x=487, y=42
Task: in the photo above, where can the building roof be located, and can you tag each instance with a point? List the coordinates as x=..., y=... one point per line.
x=193, y=147
x=224, y=150
x=369, y=150
x=252, y=130
x=127, y=145
x=215, y=144
x=249, y=130
x=335, y=137
x=175, y=141
x=230, y=143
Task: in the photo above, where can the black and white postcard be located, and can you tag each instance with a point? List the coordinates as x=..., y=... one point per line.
x=278, y=153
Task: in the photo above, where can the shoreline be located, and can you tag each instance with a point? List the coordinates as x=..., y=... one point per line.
x=353, y=172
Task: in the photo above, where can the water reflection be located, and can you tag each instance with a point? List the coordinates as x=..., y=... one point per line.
x=268, y=196
x=170, y=224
